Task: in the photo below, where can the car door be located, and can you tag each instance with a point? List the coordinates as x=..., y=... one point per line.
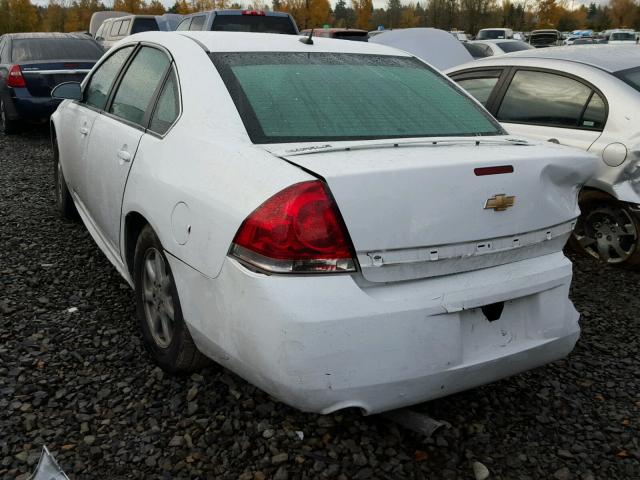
x=115, y=137
x=551, y=106
x=78, y=117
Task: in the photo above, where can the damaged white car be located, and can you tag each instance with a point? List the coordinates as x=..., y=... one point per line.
x=336, y=222
x=586, y=97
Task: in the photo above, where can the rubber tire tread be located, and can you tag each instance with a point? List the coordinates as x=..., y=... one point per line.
x=9, y=127
x=594, y=197
x=182, y=355
x=66, y=207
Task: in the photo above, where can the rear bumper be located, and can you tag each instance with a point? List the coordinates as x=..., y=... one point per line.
x=322, y=343
x=32, y=109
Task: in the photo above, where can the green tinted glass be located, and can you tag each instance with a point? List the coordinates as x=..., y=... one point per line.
x=316, y=97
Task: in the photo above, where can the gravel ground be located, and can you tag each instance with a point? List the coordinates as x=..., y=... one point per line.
x=82, y=384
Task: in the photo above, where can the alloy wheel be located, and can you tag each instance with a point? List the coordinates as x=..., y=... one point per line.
x=157, y=298
x=607, y=233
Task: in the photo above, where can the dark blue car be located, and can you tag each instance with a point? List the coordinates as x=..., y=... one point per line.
x=31, y=64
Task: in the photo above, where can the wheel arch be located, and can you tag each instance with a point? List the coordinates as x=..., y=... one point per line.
x=134, y=222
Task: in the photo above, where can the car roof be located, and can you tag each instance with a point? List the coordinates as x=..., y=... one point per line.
x=497, y=40
x=125, y=17
x=273, y=42
x=611, y=58
x=21, y=36
x=236, y=11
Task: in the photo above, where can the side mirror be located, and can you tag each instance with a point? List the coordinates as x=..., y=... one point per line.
x=67, y=91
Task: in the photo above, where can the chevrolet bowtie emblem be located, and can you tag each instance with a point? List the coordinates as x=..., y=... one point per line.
x=500, y=202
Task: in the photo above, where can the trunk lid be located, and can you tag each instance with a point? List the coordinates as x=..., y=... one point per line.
x=41, y=77
x=416, y=211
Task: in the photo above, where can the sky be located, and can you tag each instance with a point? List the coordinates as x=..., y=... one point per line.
x=376, y=3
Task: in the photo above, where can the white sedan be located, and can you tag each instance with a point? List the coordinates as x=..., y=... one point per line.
x=492, y=48
x=586, y=97
x=335, y=221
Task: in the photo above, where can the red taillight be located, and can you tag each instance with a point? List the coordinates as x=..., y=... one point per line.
x=298, y=230
x=15, y=78
x=253, y=12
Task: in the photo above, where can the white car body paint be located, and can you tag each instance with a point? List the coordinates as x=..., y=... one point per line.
x=592, y=63
x=364, y=339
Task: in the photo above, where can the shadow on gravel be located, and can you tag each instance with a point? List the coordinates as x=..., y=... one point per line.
x=74, y=377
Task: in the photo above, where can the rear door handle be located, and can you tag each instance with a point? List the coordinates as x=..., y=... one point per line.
x=124, y=155
x=84, y=130
x=554, y=140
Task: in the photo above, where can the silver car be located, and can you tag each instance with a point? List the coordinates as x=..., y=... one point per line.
x=586, y=97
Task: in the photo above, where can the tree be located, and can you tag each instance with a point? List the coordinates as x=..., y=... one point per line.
x=155, y=7
x=17, y=16
x=394, y=12
x=622, y=12
x=318, y=12
x=53, y=17
x=548, y=13
x=343, y=16
x=363, y=10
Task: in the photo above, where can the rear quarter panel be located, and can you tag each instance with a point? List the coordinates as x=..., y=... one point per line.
x=206, y=162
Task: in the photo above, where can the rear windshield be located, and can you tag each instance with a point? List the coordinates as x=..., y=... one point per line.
x=544, y=38
x=52, y=48
x=359, y=36
x=476, y=50
x=623, y=36
x=253, y=23
x=491, y=34
x=509, y=47
x=297, y=97
x=631, y=77
x=144, y=25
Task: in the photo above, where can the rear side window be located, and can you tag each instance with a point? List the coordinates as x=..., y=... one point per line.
x=115, y=28
x=97, y=91
x=183, y=25
x=99, y=32
x=479, y=88
x=197, y=23
x=124, y=28
x=289, y=97
x=144, y=25
x=55, y=48
x=541, y=98
x=595, y=114
x=139, y=84
x=167, y=108
x=253, y=23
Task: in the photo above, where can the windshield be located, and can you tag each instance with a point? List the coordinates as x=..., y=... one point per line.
x=627, y=36
x=477, y=50
x=54, y=48
x=253, y=23
x=144, y=25
x=358, y=36
x=509, y=47
x=296, y=97
x=630, y=76
x=491, y=34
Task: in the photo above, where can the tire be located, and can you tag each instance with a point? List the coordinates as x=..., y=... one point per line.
x=607, y=230
x=158, y=309
x=7, y=126
x=64, y=203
